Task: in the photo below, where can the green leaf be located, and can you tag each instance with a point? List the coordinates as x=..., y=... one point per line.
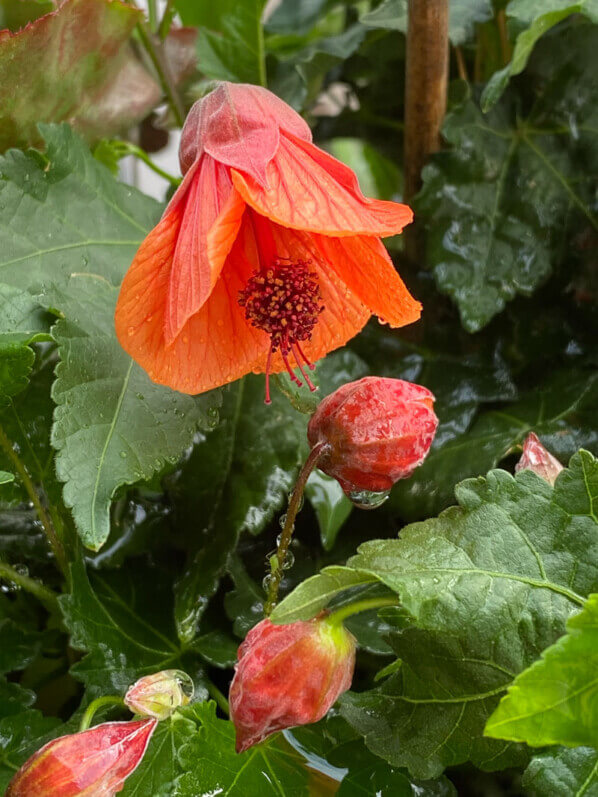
x=555, y=701
x=560, y=411
x=314, y=594
x=378, y=176
x=6, y=478
x=538, y=16
x=499, y=203
x=157, y=772
x=476, y=585
x=463, y=17
x=563, y=772
x=123, y=621
x=230, y=44
x=211, y=765
x=331, y=505
x=15, y=14
x=112, y=425
x=22, y=730
x=57, y=67
x=217, y=648
x=18, y=646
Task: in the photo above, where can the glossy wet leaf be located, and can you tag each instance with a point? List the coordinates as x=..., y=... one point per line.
x=555, y=701
x=112, y=425
x=475, y=584
x=463, y=17
x=536, y=17
x=331, y=505
x=560, y=411
x=212, y=766
x=54, y=69
x=124, y=624
x=18, y=646
x=563, y=771
x=498, y=203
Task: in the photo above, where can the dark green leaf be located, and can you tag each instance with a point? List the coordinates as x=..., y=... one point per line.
x=217, y=648
x=478, y=584
x=18, y=646
x=331, y=505
x=560, y=411
x=211, y=765
x=555, y=701
x=124, y=623
x=498, y=204
x=230, y=44
x=563, y=772
x=463, y=16
x=538, y=16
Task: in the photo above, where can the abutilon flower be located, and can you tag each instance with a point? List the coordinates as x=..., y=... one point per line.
x=95, y=762
x=377, y=431
x=160, y=694
x=268, y=255
x=288, y=675
x=535, y=457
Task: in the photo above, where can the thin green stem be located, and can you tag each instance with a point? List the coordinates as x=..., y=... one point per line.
x=152, y=14
x=127, y=148
x=55, y=543
x=287, y=533
x=220, y=699
x=163, y=73
x=95, y=705
x=43, y=594
x=340, y=615
x=166, y=20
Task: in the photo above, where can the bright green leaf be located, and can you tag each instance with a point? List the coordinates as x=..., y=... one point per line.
x=6, y=478
x=555, y=701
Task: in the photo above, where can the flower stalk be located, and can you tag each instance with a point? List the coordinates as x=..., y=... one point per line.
x=289, y=525
x=95, y=706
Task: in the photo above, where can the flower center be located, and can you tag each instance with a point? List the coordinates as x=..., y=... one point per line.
x=284, y=301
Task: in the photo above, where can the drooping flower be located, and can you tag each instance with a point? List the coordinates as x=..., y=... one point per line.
x=267, y=256
x=288, y=675
x=160, y=694
x=95, y=762
x=377, y=431
x=535, y=457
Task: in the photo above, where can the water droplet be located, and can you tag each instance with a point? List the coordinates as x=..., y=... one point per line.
x=366, y=499
x=123, y=454
x=282, y=520
x=130, y=331
x=289, y=561
x=22, y=570
x=266, y=581
x=140, y=396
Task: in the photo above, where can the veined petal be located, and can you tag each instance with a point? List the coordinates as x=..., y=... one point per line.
x=364, y=266
x=310, y=190
x=215, y=346
x=210, y=222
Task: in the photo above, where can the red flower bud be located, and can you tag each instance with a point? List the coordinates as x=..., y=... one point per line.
x=94, y=762
x=288, y=675
x=378, y=431
x=535, y=457
x=160, y=694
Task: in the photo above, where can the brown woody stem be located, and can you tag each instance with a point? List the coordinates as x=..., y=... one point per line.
x=289, y=525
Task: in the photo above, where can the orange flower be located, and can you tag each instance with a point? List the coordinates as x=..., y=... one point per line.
x=268, y=252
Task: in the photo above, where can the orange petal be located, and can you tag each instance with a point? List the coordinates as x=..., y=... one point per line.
x=363, y=264
x=210, y=222
x=216, y=345
x=310, y=190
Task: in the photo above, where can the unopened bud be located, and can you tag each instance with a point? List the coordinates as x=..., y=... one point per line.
x=535, y=457
x=288, y=675
x=94, y=762
x=378, y=431
x=160, y=694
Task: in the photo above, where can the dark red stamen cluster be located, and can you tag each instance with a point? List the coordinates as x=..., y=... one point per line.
x=284, y=301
